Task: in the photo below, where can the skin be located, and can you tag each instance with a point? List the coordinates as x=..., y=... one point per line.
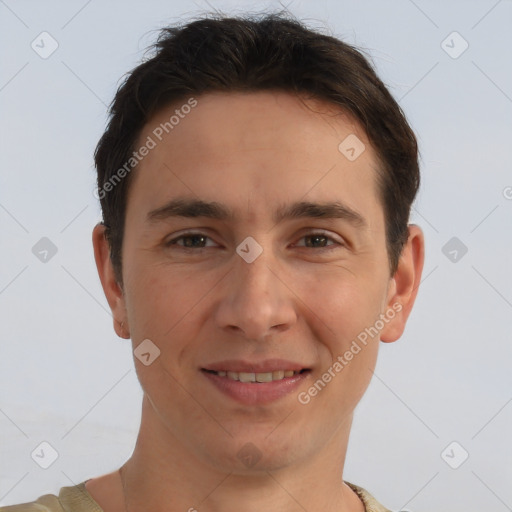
x=301, y=301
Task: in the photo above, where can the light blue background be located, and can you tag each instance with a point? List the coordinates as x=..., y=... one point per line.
x=66, y=378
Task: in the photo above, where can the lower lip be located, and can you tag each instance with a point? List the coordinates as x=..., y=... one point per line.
x=256, y=393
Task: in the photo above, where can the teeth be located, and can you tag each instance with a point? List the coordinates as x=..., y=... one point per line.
x=257, y=377
x=247, y=377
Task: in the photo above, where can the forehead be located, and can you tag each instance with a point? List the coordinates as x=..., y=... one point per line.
x=267, y=146
x=230, y=120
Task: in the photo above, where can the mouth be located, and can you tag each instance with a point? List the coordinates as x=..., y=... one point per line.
x=256, y=384
x=257, y=377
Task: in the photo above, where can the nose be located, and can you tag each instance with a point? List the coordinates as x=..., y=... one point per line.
x=256, y=300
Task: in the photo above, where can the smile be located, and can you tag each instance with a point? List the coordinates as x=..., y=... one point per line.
x=256, y=388
x=257, y=377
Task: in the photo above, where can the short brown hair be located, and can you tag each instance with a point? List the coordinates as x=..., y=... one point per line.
x=273, y=51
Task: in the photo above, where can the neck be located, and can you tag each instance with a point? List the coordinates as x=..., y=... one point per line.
x=162, y=475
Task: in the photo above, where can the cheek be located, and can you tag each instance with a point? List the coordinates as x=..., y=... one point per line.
x=162, y=301
x=160, y=309
x=346, y=304
x=348, y=310
x=350, y=344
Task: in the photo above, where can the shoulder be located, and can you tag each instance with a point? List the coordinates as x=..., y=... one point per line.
x=70, y=499
x=370, y=503
x=45, y=503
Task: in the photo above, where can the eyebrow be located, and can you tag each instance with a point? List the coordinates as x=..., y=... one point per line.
x=183, y=207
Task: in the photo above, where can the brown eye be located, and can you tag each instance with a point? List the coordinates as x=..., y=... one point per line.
x=319, y=240
x=190, y=241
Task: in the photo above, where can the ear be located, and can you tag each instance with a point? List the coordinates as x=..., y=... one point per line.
x=403, y=286
x=112, y=289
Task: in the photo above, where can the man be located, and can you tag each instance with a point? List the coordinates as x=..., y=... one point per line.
x=256, y=180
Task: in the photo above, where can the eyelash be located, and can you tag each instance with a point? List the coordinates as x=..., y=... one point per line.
x=307, y=235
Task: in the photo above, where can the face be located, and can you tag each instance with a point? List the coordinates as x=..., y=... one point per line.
x=256, y=286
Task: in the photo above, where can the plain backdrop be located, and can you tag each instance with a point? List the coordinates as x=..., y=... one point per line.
x=67, y=380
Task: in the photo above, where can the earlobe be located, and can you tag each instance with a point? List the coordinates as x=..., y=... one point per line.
x=111, y=288
x=404, y=284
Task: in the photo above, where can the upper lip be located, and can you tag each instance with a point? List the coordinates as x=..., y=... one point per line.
x=268, y=365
